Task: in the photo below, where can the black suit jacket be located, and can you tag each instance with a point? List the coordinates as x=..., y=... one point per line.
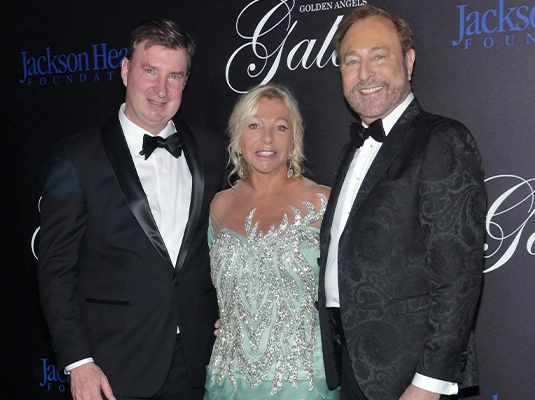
x=107, y=284
x=410, y=258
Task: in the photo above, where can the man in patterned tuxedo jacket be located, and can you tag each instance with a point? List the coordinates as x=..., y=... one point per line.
x=402, y=239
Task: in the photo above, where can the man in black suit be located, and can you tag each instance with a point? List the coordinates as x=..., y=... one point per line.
x=402, y=239
x=124, y=271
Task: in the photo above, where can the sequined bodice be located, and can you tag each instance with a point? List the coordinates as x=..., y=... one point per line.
x=266, y=287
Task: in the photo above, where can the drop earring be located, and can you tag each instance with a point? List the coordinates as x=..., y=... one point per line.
x=240, y=169
x=290, y=172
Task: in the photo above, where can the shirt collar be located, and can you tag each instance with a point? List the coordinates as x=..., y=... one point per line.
x=134, y=133
x=390, y=120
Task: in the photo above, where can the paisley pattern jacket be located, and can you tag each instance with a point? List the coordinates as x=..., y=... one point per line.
x=410, y=258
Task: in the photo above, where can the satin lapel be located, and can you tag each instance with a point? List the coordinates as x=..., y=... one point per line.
x=388, y=152
x=193, y=158
x=120, y=159
x=335, y=190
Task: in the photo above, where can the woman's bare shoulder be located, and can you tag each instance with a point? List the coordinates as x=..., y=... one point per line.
x=314, y=188
x=222, y=200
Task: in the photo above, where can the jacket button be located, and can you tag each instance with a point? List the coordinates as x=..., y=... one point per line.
x=175, y=282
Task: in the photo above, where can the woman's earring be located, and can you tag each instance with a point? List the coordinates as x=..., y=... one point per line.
x=290, y=172
x=240, y=169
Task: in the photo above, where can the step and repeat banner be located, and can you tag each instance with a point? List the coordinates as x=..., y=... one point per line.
x=475, y=62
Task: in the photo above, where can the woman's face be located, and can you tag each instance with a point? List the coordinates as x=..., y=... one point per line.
x=267, y=139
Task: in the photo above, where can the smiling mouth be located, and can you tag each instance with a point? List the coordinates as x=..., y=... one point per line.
x=265, y=153
x=371, y=90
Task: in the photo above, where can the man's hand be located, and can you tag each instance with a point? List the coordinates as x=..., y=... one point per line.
x=217, y=325
x=415, y=393
x=87, y=381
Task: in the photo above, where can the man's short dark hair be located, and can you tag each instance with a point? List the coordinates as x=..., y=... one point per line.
x=161, y=32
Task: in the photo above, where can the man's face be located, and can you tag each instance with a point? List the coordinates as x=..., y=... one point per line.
x=375, y=75
x=154, y=80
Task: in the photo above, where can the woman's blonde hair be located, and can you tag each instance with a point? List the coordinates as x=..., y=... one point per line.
x=246, y=108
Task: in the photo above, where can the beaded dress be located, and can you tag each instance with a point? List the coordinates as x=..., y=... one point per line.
x=269, y=344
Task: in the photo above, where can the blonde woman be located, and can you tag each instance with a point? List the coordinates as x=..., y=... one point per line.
x=264, y=240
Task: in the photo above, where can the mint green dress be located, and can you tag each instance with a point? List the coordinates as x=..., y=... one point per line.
x=269, y=344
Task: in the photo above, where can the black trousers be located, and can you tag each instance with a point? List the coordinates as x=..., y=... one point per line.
x=176, y=386
x=349, y=388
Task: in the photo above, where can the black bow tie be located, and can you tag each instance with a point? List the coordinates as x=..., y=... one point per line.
x=359, y=134
x=171, y=144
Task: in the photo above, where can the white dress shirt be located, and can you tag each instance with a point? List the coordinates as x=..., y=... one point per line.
x=166, y=181
x=358, y=169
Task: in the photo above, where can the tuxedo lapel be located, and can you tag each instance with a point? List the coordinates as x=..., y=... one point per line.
x=116, y=149
x=391, y=147
x=193, y=158
x=341, y=173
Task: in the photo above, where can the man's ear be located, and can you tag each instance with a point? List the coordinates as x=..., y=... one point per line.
x=125, y=66
x=409, y=62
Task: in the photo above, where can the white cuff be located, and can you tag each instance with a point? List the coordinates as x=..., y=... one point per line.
x=435, y=385
x=70, y=367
